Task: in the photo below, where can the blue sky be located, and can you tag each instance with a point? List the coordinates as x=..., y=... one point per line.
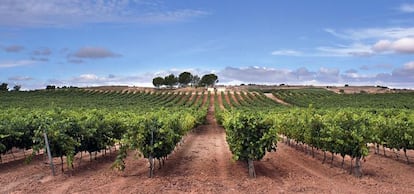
x=128, y=42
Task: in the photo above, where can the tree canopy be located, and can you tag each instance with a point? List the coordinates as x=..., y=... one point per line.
x=3, y=87
x=195, y=81
x=17, y=88
x=209, y=80
x=185, y=78
x=158, y=82
x=50, y=87
x=170, y=80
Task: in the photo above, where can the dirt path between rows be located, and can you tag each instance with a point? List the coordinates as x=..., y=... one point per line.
x=227, y=98
x=203, y=164
x=278, y=100
x=220, y=101
x=233, y=95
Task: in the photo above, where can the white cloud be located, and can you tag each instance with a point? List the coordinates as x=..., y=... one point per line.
x=91, y=79
x=287, y=52
x=407, y=8
x=401, y=77
x=9, y=64
x=373, y=33
x=356, y=49
x=376, y=66
x=171, y=16
x=403, y=45
x=409, y=66
x=328, y=75
x=26, y=13
x=382, y=45
x=388, y=41
x=87, y=77
x=253, y=74
x=20, y=78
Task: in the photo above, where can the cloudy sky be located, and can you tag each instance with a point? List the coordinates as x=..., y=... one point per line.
x=128, y=42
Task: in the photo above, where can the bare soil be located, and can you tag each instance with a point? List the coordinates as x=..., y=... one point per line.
x=198, y=97
x=227, y=97
x=360, y=89
x=220, y=101
x=232, y=95
x=203, y=164
x=278, y=100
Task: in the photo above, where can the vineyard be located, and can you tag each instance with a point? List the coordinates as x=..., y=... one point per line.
x=162, y=134
x=321, y=98
x=77, y=121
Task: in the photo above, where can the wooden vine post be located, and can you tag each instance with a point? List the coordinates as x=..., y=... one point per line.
x=52, y=166
x=150, y=158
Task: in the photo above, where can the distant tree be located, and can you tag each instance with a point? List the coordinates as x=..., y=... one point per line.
x=195, y=80
x=185, y=78
x=3, y=87
x=158, y=82
x=170, y=80
x=17, y=88
x=50, y=87
x=209, y=80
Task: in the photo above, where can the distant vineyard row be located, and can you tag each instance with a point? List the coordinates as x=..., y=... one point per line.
x=321, y=98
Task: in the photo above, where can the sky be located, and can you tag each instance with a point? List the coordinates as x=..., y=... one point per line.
x=129, y=42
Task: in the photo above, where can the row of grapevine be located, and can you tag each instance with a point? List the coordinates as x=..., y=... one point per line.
x=69, y=131
x=347, y=132
x=249, y=135
x=393, y=129
x=77, y=98
x=250, y=132
x=155, y=135
x=321, y=98
x=72, y=129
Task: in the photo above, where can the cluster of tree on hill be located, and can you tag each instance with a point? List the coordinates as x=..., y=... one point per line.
x=5, y=87
x=185, y=79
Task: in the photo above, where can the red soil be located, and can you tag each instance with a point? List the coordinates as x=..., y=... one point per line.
x=220, y=101
x=227, y=100
x=232, y=95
